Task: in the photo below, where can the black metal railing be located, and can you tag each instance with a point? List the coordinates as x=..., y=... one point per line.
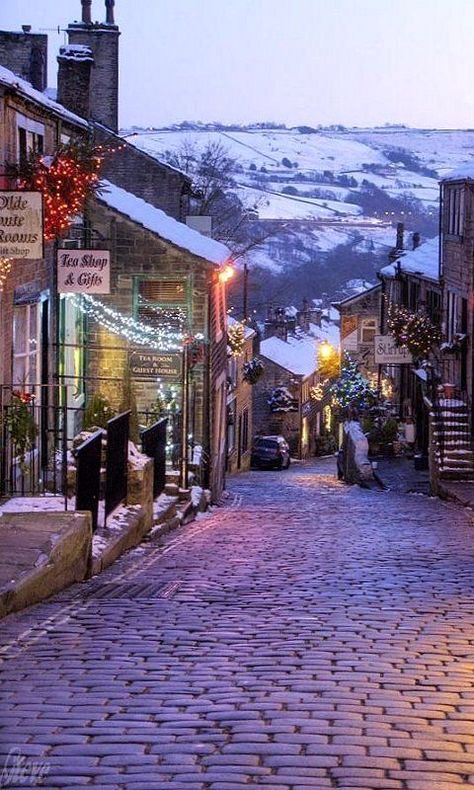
x=451, y=411
x=88, y=468
x=33, y=440
x=116, y=476
x=154, y=446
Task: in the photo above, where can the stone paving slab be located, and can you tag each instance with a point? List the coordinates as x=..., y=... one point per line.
x=308, y=635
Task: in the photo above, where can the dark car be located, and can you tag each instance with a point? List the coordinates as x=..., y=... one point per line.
x=270, y=451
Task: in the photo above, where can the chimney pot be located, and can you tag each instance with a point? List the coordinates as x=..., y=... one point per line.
x=26, y=28
x=109, y=12
x=86, y=11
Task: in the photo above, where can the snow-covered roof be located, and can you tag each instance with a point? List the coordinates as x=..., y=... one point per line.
x=464, y=172
x=248, y=331
x=24, y=88
x=424, y=261
x=358, y=295
x=297, y=356
x=158, y=222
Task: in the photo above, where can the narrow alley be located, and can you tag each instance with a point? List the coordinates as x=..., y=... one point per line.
x=306, y=634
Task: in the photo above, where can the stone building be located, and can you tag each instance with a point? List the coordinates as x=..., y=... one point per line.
x=163, y=276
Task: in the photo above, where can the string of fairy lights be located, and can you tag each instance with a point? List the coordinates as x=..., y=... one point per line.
x=164, y=338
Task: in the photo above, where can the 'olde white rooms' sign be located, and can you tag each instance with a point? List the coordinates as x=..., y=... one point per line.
x=84, y=271
x=21, y=225
x=388, y=353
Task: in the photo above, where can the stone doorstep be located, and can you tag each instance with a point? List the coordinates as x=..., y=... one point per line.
x=461, y=492
x=42, y=553
x=120, y=538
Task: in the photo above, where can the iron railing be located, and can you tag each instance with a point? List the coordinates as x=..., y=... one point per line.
x=33, y=440
x=154, y=446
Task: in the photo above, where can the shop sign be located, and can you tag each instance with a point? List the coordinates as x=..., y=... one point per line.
x=387, y=352
x=21, y=224
x=83, y=271
x=146, y=365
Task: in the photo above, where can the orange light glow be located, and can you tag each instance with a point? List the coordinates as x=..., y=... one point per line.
x=226, y=273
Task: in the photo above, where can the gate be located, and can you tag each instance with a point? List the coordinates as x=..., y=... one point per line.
x=154, y=446
x=117, y=458
x=88, y=460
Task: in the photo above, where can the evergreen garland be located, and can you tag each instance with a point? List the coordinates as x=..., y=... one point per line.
x=415, y=331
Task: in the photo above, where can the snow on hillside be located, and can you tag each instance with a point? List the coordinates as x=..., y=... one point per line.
x=329, y=189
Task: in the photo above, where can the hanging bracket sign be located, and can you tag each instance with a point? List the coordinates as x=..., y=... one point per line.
x=84, y=271
x=21, y=224
x=388, y=353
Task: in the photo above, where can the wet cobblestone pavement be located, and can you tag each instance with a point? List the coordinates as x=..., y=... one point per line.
x=307, y=635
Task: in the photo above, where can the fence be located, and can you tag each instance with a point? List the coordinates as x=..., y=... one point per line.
x=88, y=466
x=34, y=441
x=116, y=476
x=154, y=445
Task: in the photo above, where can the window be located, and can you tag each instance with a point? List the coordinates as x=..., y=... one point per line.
x=451, y=317
x=72, y=363
x=26, y=350
x=454, y=198
x=433, y=306
x=30, y=137
x=368, y=330
x=163, y=302
x=231, y=417
x=244, y=440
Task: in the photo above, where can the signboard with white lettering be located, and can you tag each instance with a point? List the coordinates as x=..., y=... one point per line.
x=146, y=365
x=388, y=353
x=21, y=225
x=84, y=271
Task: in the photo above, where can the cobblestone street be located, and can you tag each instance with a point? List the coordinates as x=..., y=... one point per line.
x=306, y=635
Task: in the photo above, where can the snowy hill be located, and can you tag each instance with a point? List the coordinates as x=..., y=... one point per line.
x=334, y=190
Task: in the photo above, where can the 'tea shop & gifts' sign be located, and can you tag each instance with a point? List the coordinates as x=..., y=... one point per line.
x=21, y=224
x=388, y=353
x=84, y=271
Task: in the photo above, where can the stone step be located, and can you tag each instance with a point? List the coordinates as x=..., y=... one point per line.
x=456, y=474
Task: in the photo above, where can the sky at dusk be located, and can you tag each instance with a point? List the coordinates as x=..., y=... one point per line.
x=354, y=62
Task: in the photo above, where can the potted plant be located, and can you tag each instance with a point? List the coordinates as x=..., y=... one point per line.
x=19, y=419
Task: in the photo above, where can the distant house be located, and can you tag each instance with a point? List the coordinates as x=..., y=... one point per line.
x=412, y=281
x=286, y=400
x=239, y=404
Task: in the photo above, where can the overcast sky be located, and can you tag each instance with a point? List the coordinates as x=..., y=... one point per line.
x=355, y=62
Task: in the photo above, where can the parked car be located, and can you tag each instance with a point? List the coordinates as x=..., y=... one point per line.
x=270, y=451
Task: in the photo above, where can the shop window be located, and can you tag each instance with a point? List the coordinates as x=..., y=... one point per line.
x=26, y=346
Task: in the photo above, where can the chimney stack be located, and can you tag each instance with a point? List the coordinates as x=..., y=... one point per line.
x=74, y=78
x=400, y=229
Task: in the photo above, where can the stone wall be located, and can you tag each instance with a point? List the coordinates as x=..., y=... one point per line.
x=26, y=54
x=144, y=176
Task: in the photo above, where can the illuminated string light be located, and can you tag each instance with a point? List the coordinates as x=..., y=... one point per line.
x=414, y=331
x=5, y=267
x=236, y=338
x=164, y=338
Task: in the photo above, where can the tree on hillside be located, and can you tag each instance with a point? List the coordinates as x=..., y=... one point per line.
x=212, y=170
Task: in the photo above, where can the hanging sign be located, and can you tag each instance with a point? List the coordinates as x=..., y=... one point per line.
x=21, y=224
x=148, y=365
x=84, y=271
x=388, y=353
